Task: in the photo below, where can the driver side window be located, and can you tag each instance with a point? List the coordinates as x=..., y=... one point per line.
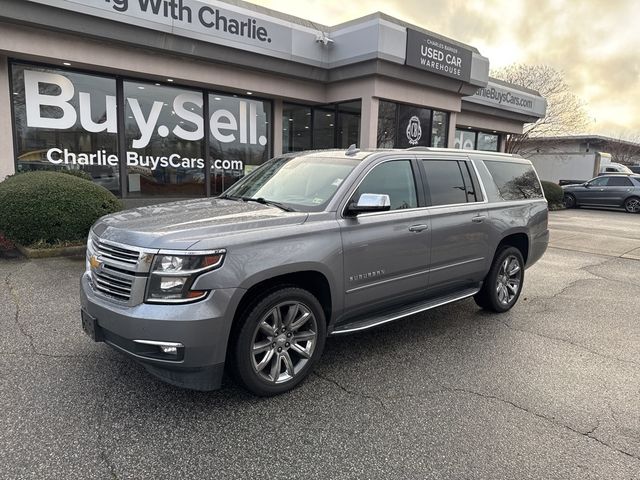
x=394, y=178
x=598, y=182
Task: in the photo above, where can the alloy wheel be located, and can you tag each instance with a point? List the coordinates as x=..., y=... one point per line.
x=508, y=280
x=632, y=205
x=283, y=342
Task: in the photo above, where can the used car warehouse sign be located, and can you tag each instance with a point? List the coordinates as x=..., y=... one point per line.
x=438, y=56
x=214, y=22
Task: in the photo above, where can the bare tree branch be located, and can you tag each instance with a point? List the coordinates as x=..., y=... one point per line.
x=565, y=115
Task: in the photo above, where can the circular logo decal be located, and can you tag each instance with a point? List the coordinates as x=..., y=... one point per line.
x=414, y=130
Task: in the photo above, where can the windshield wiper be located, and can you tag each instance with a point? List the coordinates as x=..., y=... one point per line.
x=261, y=200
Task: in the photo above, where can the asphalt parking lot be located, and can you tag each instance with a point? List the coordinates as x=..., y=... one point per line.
x=549, y=390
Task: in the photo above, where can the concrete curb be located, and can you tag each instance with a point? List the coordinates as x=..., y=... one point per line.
x=74, y=251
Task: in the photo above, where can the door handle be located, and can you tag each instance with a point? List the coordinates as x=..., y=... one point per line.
x=418, y=228
x=478, y=218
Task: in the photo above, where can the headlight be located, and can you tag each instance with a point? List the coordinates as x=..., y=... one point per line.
x=173, y=275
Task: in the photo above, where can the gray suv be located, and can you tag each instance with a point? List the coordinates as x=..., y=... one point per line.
x=309, y=245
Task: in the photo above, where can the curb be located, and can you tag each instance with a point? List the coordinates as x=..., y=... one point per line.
x=31, y=253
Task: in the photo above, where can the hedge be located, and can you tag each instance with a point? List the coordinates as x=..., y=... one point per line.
x=51, y=207
x=553, y=192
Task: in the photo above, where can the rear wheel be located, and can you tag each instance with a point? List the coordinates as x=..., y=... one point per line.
x=280, y=341
x=503, y=283
x=569, y=200
x=632, y=205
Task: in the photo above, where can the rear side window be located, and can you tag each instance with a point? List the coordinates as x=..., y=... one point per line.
x=619, y=182
x=515, y=181
x=450, y=182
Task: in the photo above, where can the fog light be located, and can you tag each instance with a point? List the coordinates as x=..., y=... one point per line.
x=174, y=349
x=170, y=350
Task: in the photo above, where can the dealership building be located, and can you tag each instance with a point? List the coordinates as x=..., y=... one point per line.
x=166, y=98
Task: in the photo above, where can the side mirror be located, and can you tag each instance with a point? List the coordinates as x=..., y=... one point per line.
x=586, y=185
x=370, y=202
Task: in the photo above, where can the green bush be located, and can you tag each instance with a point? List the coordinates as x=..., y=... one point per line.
x=78, y=173
x=51, y=207
x=553, y=192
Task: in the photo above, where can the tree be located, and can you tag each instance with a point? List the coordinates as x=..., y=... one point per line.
x=565, y=115
x=624, y=148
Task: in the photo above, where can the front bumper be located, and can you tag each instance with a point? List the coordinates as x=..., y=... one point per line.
x=202, y=328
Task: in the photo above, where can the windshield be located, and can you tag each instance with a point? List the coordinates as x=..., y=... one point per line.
x=302, y=183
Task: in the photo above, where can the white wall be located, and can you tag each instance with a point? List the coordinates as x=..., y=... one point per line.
x=6, y=136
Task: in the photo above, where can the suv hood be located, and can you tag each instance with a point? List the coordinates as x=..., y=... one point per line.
x=180, y=225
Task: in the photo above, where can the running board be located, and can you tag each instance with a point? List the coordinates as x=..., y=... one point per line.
x=403, y=312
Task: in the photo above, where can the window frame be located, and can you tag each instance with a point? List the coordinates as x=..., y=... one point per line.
x=417, y=179
x=481, y=196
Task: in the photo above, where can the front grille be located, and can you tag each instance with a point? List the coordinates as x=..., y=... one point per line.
x=113, y=283
x=119, y=254
x=118, y=271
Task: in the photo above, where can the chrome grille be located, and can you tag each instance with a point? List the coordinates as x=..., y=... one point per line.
x=113, y=283
x=119, y=254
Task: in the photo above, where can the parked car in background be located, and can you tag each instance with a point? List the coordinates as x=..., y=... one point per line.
x=635, y=168
x=613, y=191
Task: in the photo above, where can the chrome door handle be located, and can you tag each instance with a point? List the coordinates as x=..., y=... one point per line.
x=478, y=218
x=418, y=228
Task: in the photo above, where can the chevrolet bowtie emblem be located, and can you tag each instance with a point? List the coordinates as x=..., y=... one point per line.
x=94, y=262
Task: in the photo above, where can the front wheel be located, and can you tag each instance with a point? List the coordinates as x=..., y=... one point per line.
x=280, y=341
x=632, y=205
x=569, y=200
x=503, y=283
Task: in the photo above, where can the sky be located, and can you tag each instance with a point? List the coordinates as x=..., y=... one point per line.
x=596, y=43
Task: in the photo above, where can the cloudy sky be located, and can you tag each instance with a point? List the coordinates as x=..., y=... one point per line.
x=596, y=43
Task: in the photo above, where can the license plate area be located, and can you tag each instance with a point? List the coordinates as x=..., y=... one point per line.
x=91, y=327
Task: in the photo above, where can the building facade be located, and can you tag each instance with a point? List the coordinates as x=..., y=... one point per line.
x=180, y=98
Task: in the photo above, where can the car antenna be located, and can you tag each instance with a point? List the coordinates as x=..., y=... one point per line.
x=352, y=150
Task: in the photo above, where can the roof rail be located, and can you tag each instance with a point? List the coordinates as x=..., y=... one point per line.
x=352, y=150
x=420, y=149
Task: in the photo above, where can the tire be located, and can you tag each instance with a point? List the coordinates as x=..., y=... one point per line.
x=632, y=205
x=569, y=200
x=281, y=360
x=497, y=293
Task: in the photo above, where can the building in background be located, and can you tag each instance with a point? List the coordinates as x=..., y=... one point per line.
x=183, y=98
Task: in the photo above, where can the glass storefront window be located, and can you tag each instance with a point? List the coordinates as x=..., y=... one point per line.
x=296, y=128
x=324, y=120
x=386, y=124
x=405, y=126
x=164, y=133
x=465, y=139
x=349, y=124
x=239, y=138
x=439, y=128
x=66, y=121
x=488, y=142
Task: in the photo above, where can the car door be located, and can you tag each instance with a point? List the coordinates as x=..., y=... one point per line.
x=459, y=224
x=616, y=190
x=592, y=193
x=386, y=253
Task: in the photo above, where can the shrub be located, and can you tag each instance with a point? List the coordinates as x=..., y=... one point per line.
x=78, y=173
x=553, y=192
x=51, y=207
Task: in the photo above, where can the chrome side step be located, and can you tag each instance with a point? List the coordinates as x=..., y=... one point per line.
x=403, y=312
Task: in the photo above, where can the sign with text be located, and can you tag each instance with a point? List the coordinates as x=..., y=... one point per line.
x=438, y=56
x=214, y=22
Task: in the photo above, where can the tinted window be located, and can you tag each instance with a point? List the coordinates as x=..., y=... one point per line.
x=394, y=179
x=515, y=181
x=598, y=182
x=619, y=182
x=446, y=184
x=470, y=182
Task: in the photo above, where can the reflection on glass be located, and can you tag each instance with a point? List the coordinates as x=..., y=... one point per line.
x=296, y=128
x=414, y=127
x=515, y=181
x=349, y=124
x=66, y=121
x=465, y=139
x=487, y=142
x=439, y=129
x=323, y=127
x=386, y=124
x=164, y=132
x=239, y=138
